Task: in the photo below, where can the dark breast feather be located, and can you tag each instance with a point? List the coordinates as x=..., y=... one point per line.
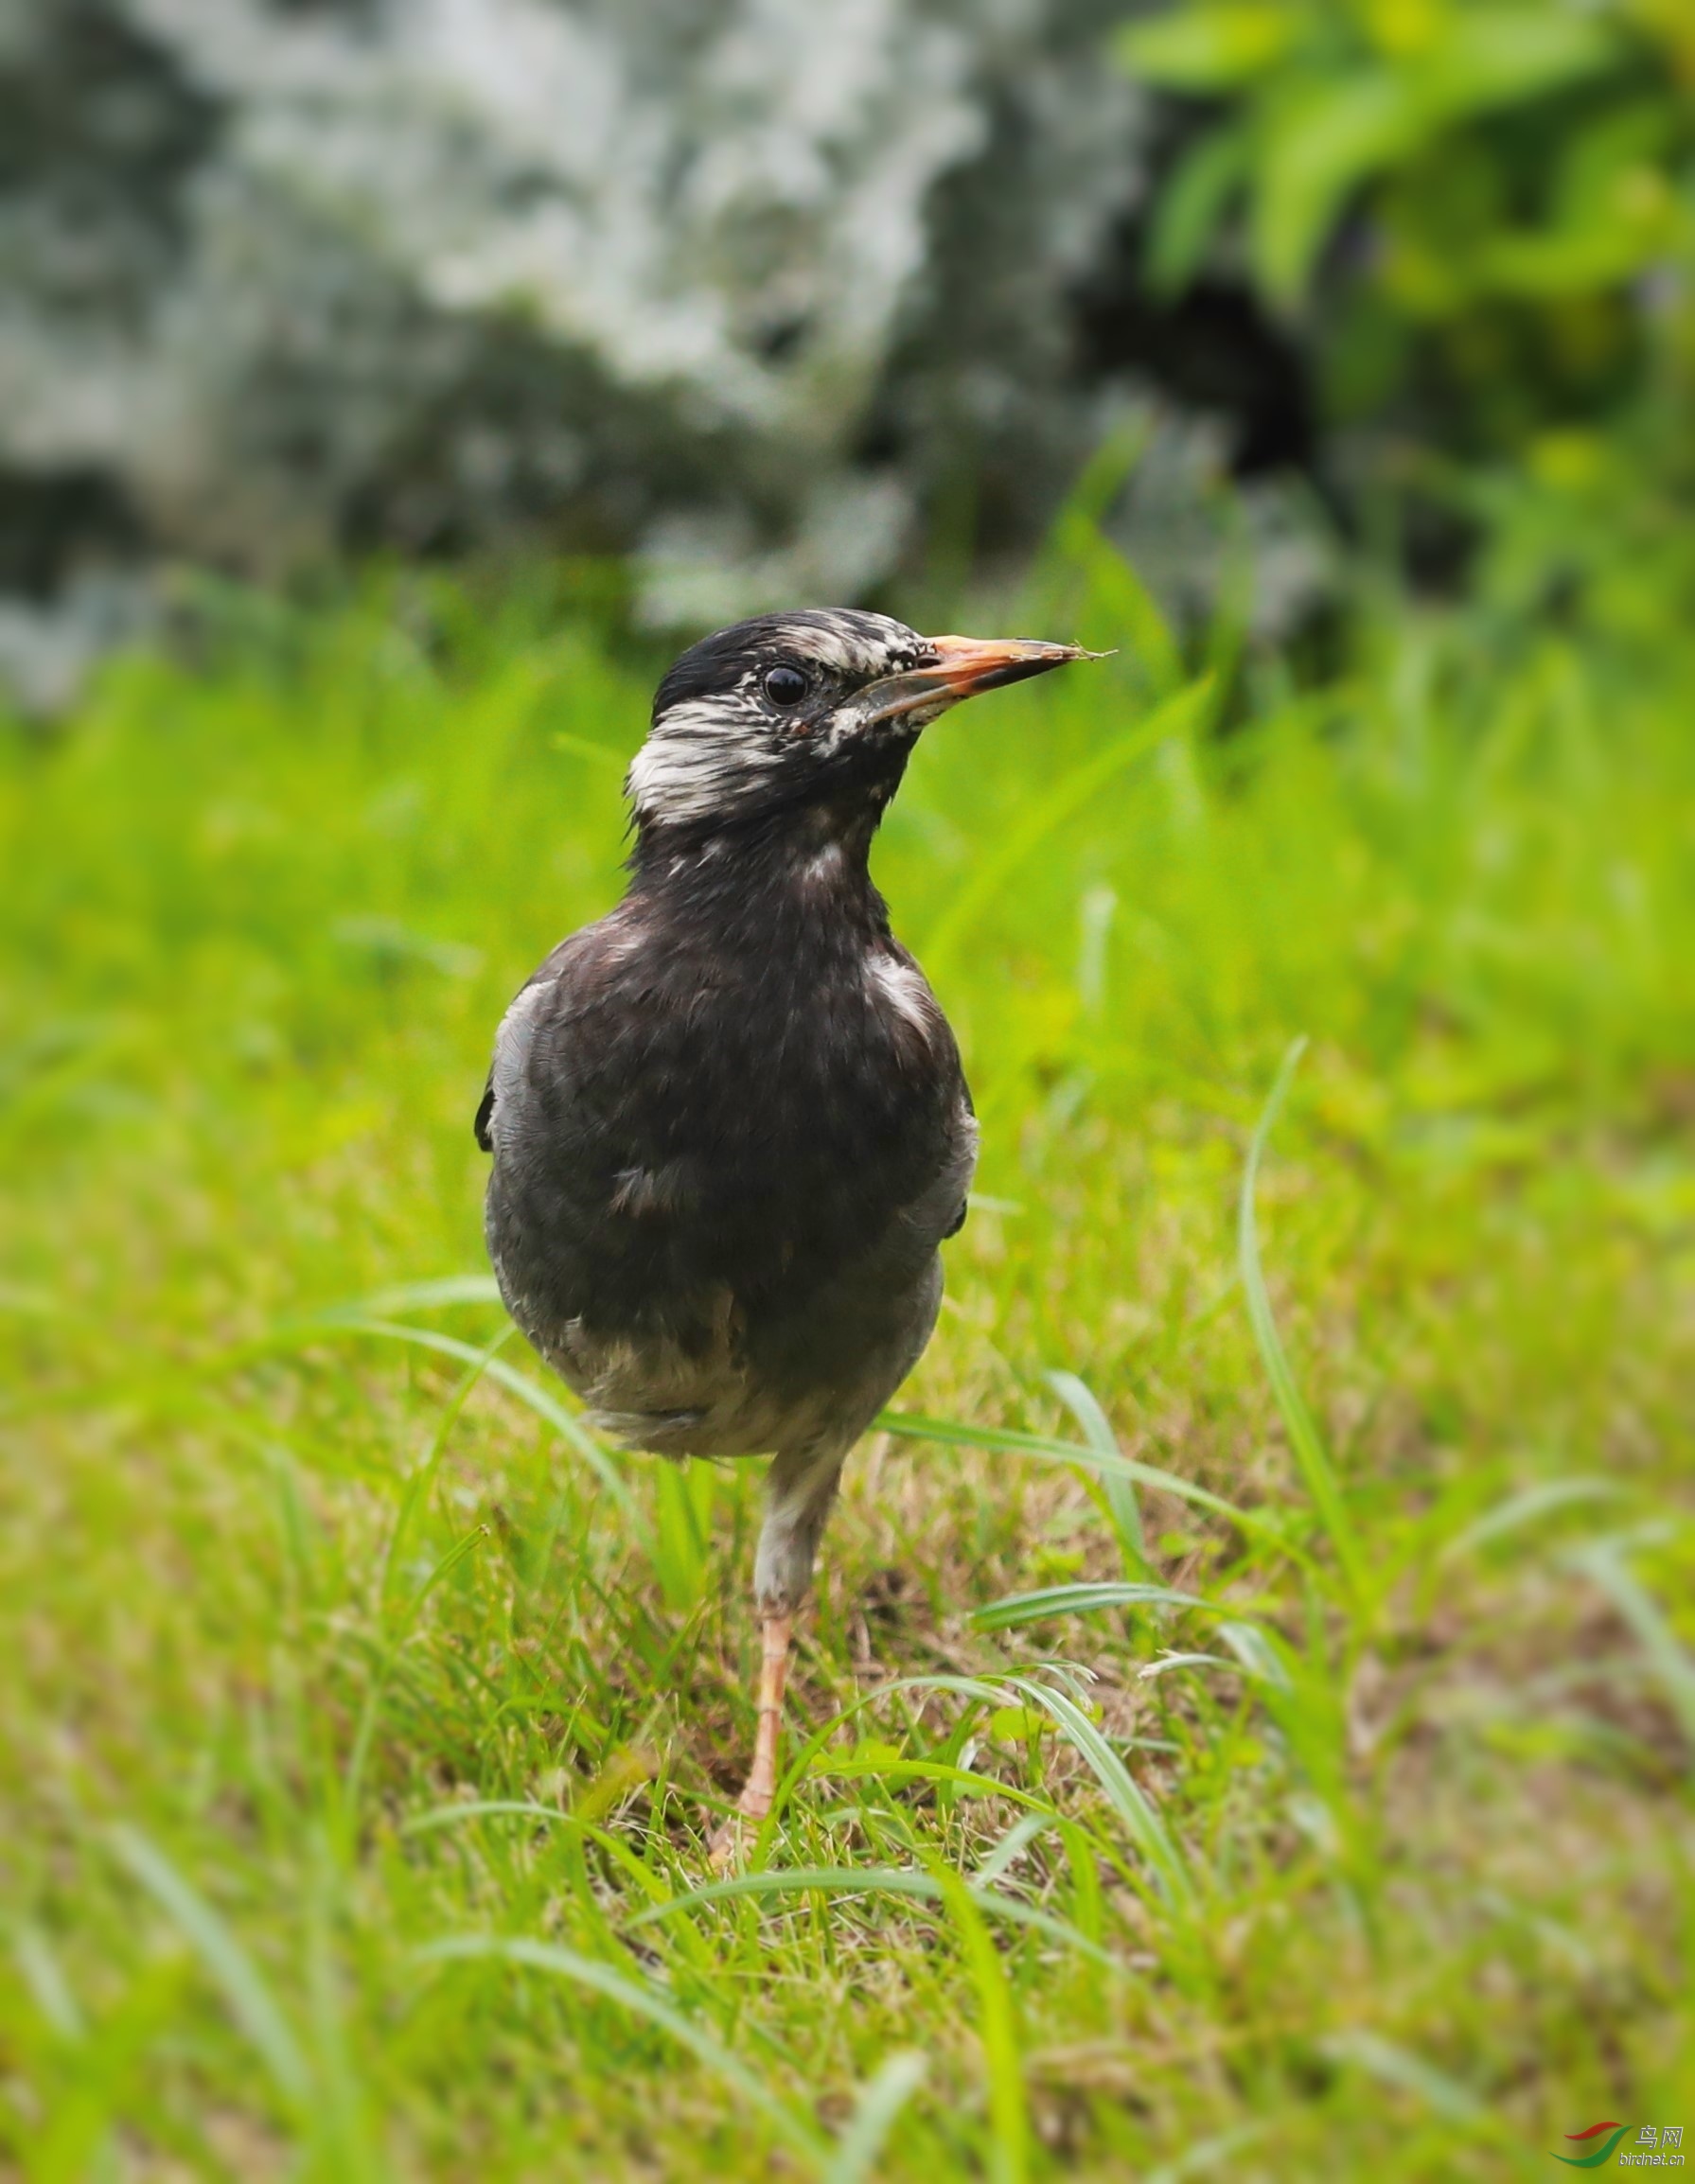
x=677, y=1109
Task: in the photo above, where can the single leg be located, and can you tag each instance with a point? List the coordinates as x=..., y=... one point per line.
x=760, y=1786
x=801, y=1489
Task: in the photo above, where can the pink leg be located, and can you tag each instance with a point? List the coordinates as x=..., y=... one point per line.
x=761, y=1787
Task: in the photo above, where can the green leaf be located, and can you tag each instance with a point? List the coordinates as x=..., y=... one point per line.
x=298, y=1333
x=846, y=1880
x=1193, y=201
x=1207, y=48
x=1489, y=58
x=1147, y=1830
x=1264, y=1524
x=1319, y=143
x=684, y=1494
x=1526, y=1507
x=1602, y=1562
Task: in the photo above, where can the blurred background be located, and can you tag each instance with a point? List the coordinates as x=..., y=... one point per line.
x=388, y=389
x=784, y=302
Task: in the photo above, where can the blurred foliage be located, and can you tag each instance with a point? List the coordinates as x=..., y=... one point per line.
x=1481, y=221
x=737, y=286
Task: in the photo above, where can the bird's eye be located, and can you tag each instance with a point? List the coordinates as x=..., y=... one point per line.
x=785, y=686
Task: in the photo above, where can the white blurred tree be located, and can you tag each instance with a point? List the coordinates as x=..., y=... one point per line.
x=729, y=283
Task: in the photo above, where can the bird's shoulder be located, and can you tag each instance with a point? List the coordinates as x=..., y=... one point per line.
x=572, y=978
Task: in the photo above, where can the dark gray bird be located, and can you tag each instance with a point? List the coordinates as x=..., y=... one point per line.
x=729, y=1123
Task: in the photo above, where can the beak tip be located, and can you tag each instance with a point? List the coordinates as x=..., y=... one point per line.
x=970, y=664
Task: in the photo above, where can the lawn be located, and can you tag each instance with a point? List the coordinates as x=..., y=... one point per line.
x=1248, y=1722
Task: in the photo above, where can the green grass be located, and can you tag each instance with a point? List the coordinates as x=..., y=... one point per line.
x=1248, y=1722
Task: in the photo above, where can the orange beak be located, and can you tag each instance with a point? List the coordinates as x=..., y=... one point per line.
x=963, y=667
x=969, y=664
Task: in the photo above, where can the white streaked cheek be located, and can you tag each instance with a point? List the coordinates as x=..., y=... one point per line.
x=675, y=778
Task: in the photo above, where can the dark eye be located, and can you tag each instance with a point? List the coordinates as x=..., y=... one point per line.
x=785, y=686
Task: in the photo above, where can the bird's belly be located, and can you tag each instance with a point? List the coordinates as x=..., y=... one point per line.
x=722, y=1386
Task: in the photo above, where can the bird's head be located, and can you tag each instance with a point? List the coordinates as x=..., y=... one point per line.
x=810, y=715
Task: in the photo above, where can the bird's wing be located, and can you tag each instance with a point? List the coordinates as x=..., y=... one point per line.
x=512, y=1038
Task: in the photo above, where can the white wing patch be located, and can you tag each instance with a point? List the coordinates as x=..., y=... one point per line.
x=905, y=990
x=512, y=1044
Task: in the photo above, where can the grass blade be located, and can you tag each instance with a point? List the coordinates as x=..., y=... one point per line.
x=1147, y=1830
x=421, y=1297
x=1122, y=1505
x=1209, y=2154
x=48, y=1987
x=1298, y=1420
x=251, y=2002
x=1392, y=2064
x=847, y=1880
x=1602, y=1562
x=879, y=2103
x=1045, y=1450
x=640, y=1999
x=998, y=2029
x=546, y=1407
x=1524, y=1509
x=1019, y=1607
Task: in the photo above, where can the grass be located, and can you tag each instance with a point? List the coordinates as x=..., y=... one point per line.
x=1248, y=1722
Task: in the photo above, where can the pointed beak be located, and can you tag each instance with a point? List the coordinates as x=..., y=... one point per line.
x=963, y=667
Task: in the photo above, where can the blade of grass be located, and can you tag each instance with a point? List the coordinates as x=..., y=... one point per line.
x=299, y=1332
x=583, y=1823
x=909, y=1426
x=846, y=1880
x=419, y=1297
x=1392, y=2064
x=50, y=1990
x=1602, y=1562
x=1524, y=1509
x=423, y=1475
x=1146, y=1829
x=1298, y=1420
x=251, y=2001
x=1209, y=2154
x=888, y=1766
x=641, y=2002
x=997, y=2028
x=1019, y=1607
x=1119, y=1492
x=881, y=2099
x=1017, y=1839
x=382, y=1667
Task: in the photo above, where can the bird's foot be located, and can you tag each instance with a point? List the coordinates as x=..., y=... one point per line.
x=751, y=1807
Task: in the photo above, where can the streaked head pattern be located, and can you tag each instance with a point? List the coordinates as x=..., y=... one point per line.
x=818, y=708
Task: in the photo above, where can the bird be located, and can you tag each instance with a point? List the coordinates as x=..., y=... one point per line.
x=729, y=1123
